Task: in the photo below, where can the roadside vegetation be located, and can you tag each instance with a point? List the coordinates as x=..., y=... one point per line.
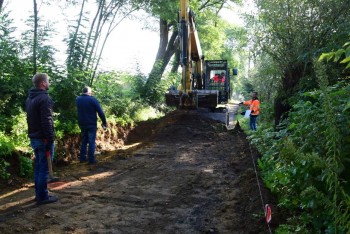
x=302, y=74
x=296, y=54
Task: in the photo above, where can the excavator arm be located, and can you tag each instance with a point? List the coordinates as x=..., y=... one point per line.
x=190, y=94
x=190, y=55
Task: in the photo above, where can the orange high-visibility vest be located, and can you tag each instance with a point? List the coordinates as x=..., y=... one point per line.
x=254, y=105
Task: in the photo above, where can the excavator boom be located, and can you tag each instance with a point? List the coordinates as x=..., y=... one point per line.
x=194, y=90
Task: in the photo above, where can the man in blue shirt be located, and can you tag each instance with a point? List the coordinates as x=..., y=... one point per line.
x=88, y=108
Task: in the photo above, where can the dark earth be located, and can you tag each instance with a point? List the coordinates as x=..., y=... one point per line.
x=182, y=173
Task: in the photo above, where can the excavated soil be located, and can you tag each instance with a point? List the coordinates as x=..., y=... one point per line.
x=183, y=173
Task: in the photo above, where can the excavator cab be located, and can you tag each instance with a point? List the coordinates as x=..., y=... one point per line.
x=217, y=77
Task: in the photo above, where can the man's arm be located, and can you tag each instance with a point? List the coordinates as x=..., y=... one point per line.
x=100, y=113
x=46, y=120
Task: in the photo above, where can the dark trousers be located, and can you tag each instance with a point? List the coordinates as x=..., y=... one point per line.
x=88, y=137
x=41, y=170
x=252, y=122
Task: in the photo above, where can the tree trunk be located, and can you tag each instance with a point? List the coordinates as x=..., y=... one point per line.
x=113, y=24
x=176, y=62
x=167, y=48
x=74, y=39
x=1, y=4
x=163, y=39
x=35, y=38
x=289, y=85
x=96, y=38
x=89, y=48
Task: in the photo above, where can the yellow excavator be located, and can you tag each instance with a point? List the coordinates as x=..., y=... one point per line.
x=203, y=83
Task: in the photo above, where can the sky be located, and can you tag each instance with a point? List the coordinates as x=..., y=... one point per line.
x=128, y=46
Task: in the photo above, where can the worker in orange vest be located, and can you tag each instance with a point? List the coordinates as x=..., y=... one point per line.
x=254, y=107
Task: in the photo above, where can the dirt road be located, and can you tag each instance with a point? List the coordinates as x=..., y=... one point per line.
x=183, y=173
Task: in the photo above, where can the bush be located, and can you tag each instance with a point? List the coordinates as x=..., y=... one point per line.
x=6, y=145
x=146, y=113
x=3, y=166
x=306, y=162
x=6, y=148
x=26, y=167
x=19, y=132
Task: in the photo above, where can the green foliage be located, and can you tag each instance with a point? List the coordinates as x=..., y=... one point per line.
x=303, y=162
x=156, y=8
x=342, y=55
x=68, y=127
x=19, y=131
x=64, y=91
x=211, y=34
x=278, y=28
x=146, y=113
x=120, y=95
x=14, y=79
x=265, y=77
x=119, y=121
x=6, y=148
x=6, y=145
x=20, y=141
x=26, y=167
x=45, y=51
x=334, y=156
x=3, y=165
x=154, y=89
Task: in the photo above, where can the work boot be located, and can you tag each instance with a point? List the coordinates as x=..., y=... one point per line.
x=94, y=162
x=51, y=199
x=52, y=180
x=82, y=160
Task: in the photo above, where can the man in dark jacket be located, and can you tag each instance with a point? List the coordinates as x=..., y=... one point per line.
x=41, y=134
x=88, y=107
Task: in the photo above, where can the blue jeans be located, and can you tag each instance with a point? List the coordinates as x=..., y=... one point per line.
x=88, y=136
x=252, y=122
x=41, y=170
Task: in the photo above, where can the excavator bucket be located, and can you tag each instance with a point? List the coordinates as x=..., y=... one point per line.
x=207, y=98
x=181, y=100
x=193, y=100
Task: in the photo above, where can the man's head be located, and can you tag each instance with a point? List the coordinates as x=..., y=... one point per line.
x=87, y=90
x=41, y=81
x=254, y=94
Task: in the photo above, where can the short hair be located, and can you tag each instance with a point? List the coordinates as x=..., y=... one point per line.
x=86, y=89
x=255, y=95
x=38, y=78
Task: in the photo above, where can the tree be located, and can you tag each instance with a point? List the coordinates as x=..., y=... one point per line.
x=37, y=48
x=14, y=79
x=293, y=33
x=85, y=47
x=86, y=42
